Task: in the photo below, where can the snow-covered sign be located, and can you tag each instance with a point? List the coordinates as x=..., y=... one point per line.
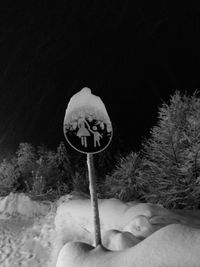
x=87, y=126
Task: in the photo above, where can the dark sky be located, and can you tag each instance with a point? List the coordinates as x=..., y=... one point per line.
x=133, y=54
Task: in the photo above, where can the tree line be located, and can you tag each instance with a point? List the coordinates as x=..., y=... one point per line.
x=40, y=171
x=166, y=170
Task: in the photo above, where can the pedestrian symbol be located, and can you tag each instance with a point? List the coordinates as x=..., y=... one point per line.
x=83, y=133
x=88, y=136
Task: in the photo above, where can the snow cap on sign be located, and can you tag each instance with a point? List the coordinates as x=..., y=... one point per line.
x=85, y=102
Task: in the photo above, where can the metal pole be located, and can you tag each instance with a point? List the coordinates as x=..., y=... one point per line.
x=94, y=200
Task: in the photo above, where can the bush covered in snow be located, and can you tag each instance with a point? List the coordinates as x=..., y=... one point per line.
x=43, y=171
x=172, y=153
x=126, y=182
x=167, y=170
x=36, y=171
x=8, y=177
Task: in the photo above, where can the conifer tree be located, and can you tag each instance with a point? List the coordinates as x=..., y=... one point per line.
x=47, y=166
x=26, y=162
x=64, y=164
x=172, y=153
x=126, y=182
x=8, y=176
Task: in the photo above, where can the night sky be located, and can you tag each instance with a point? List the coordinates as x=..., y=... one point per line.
x=133, y=54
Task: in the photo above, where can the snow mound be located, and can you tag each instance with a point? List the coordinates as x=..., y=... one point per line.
x=74, y=221
x=141, y=226
x=72, y=196
x=118, y=240
x=115, y=214
x=26, y=241
x=21, y=204
x=174, y=245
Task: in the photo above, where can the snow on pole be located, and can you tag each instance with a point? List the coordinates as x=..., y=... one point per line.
x=88, y=129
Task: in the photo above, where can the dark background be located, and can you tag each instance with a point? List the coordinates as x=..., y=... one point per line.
x=133, y=54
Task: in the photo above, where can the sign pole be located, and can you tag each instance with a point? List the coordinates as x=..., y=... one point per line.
x=94, y=199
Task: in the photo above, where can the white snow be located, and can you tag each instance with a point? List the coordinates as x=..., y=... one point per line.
x=140, y=219
x=118, y=240
x=141, y=227
x=26, y=231
x=172, y=246
x=84, y=104
x=22, y=205
x=37, y=233
x=114, y=214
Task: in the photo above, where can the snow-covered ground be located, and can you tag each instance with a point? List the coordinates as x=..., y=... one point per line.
x=26, y=231
x=32, y=233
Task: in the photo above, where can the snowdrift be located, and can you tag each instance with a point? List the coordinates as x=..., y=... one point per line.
x=74, y=222
x=116, y=240
x=135, y=234
x=133, y=216
x=21, y=204
x=172, y=246
x=26, y=231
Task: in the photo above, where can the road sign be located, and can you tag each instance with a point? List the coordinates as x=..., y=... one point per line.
x=87, y=126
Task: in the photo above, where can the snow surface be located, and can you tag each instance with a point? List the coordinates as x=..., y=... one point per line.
x=175, y=245
x=115, y=214
x=84, y=104
x=118, y=240
x=21, y=204
x=26, y=231
x=140, y=219
x=37, y=233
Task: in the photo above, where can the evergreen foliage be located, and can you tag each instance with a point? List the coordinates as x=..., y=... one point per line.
x=64, y=165
x=167, y=169
x=8, y=176
x=79, y=172
x=36, y=171
x=46, y=166
x=125, y=181
x=26, y=164
x=103, y=164
x=38, y=186
x=172, y=153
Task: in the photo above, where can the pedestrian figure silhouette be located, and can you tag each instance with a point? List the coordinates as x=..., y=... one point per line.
x=97, y=136
x=83, y=133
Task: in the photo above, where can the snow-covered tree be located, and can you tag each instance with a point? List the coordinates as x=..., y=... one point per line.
x=64, y=164
x=47, y=166
x=8, y=176
x=26, y=162
x=103, y=163
x=126, y=182
x=172, y=153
